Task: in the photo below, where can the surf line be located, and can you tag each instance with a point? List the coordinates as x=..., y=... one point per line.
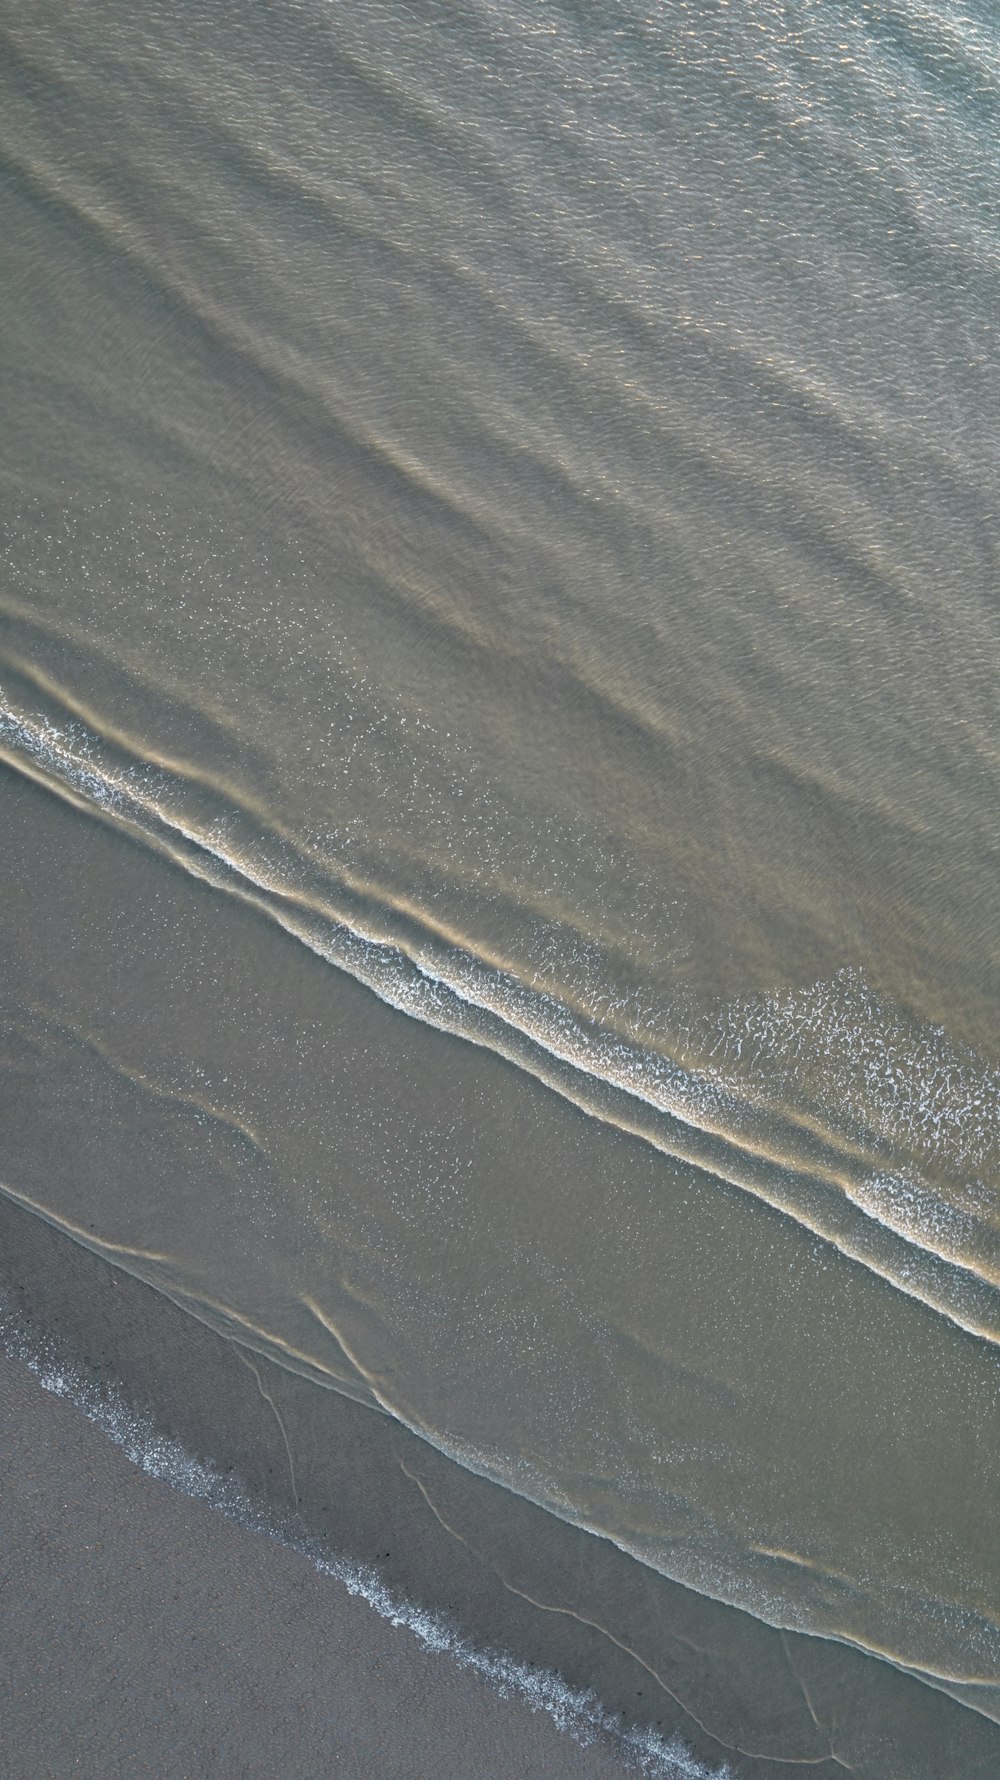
x=685, y=1121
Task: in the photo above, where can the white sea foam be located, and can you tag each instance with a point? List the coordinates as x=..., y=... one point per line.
x=575, y=1711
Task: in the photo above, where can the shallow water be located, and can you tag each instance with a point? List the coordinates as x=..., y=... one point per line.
x=505, y=495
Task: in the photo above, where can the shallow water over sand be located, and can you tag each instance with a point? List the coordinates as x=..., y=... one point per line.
x=502, y=500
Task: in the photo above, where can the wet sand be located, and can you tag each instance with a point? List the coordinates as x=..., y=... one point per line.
x=275, y=1632
x=145, y=1634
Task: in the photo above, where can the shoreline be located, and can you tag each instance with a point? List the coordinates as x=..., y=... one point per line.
x=180, y=1641
x=154, y=1366
x=372, y=1494
x=113, y=957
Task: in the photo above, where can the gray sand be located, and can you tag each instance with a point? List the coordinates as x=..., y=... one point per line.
x=512, y=1578
x=145, y=1634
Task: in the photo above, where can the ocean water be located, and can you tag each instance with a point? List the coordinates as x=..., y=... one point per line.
x=502, y=497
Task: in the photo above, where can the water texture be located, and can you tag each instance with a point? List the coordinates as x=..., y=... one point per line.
x=501, y=497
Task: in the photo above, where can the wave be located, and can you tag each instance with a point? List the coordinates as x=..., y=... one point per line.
x=941, y=1248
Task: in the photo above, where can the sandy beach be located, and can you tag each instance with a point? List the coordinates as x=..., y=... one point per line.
x=145, y=1634
x=247, y=1642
